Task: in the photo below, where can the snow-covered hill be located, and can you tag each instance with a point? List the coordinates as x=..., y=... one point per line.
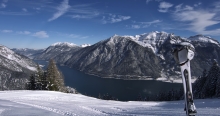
x=15, y=69
x=49, y=103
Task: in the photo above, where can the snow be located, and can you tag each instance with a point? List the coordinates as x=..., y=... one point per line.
x=85, y=45
x=50, y=103
x=149, y=40
x=64, y=44
x=201, y=38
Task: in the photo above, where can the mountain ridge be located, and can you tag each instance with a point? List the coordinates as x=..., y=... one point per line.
x=103, y=57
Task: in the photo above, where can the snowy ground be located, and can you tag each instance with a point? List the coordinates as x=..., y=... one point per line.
x=48, y=103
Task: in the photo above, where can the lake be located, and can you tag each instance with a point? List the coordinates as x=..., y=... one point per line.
x=124, y=90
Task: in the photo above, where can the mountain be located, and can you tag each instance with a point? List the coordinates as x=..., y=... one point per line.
x=51, y=103
x=14, y=69
x=140, y=56
x=56, y=49
x=118, y=57
x=28, y=52
x=207, y=51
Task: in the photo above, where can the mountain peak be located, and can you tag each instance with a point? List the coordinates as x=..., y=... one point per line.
x=204, y=39
x=85, y=45
x=64, y=44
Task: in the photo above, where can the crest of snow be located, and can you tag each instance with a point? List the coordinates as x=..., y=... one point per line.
x=85, y=45
x=150, y=40
x=64, y=44
x=10, y=55
x=202, y=38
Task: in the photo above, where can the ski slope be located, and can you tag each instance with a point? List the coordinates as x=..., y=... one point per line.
x=49, y=103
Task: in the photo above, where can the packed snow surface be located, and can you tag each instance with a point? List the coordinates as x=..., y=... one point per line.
x=50, y=103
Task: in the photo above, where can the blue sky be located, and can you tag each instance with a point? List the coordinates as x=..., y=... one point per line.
x=40, y=23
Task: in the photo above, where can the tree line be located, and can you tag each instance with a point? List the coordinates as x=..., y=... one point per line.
x=51, y=79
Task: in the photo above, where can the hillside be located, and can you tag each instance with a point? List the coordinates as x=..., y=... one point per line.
x=15, y=69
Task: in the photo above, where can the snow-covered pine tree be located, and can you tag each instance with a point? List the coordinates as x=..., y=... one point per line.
x=209, y=87
x=39, y=76
x=44, y=81
x=214, y=76
x=198, y=84
x=217, y=91
x=54, y=77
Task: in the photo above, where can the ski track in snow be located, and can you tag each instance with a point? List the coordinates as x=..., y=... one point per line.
x=50, y=103
x=66, y=113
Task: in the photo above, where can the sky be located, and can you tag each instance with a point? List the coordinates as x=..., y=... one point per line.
x=40, y=23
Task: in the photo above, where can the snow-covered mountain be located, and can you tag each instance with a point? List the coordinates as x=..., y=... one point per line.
x=118, y=56
x=50, y=103
x=30, y=53
x=151, y=40
x=56, y=49
x=14, y=68
x=145, y=55
x=203, y=39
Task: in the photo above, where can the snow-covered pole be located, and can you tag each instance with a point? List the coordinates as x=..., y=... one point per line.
x=184, y=52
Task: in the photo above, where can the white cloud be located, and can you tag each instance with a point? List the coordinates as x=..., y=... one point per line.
x=37, y=8
x=24, y=32
x=135, y=26
x=7, y=31
x=85, y=16
x=114, y=18
x=164, y=6
x=180, y=7
x=139, y=25
x=83, y=11
x=197, y=20
x=2, y=5
x=24, y=9
x=62, y=9
x=41, y=34
x=75, y=36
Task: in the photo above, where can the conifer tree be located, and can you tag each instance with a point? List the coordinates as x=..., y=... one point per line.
x=54, y=77
x=217, y=92
x=32, y=83
x=39, y=77
x=209, y=87
x=198, y=85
